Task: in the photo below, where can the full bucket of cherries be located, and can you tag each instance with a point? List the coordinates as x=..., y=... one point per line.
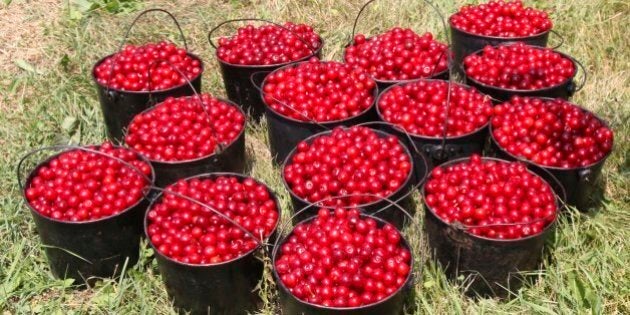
x=354, y=140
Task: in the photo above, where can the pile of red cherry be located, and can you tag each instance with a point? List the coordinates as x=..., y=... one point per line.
x=419, y=108
x=502, y=19
x=356, y=162
x=269, y=44
x=320, y=91
x=519, y=66
x=341, y=259
x=494, y=199
x=78, y=185
x=179, y=129
x=551, y=132
x=129, y=69
x=190, y=233
x=398, y=54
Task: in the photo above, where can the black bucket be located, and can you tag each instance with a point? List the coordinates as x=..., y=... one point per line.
x=236, y=78
x=493, y=264
x=119, y=106
x=563, y=90
x=285, y=132
x=223, y=288
x=437, y=149
x=465, y=43
x=394, y=304
x=88, y=250
x=230, y=158
x=579, y=183
x=402, y=197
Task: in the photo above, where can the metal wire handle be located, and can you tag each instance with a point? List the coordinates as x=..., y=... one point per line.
x=124, y=40
x=559, y=36
x=585, y=74
x=196, y=95
x=308, y=45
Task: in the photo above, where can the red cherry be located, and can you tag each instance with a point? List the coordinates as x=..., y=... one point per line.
x=178, y=129
x=502, y=19
x=79, y=185
x=269, y=44
x=128, y=69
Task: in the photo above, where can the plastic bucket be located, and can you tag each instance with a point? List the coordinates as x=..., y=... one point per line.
x=222, y=288
x=493, y=264
x=402, y=197
x=230, y=158
x=563, y=90
x=394, y=304
x=119, y=107
x=88, y=250
x=285, y=132
x=431, y=147
x=236, y=77
x=579, y=183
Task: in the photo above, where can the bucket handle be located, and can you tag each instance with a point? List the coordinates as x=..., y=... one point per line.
x=308, y=45
x=69, y=148
x=133, y=23
x=254, y=81
x=560, y=37
x=196, y=95
x=431, y=4
x=577, y=88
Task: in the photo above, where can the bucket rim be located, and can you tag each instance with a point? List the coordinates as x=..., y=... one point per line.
x=382, y=134
x=489, y=239
x=314, y=53
x=198, y=76
x=556, y=168
x=498, y=38
x=212, y=175
x=41, y=164
x=545, y=89
x=362, y=213
x=324, y=123
x=421, y=137
x=172, y=163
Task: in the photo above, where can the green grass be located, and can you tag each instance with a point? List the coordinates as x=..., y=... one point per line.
x=53, y=101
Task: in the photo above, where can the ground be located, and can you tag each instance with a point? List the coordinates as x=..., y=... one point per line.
x=47, y=97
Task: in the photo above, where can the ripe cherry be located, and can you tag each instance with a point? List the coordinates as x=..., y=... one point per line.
x=128, y=69
x=551, y=132
x=178, y=129
x=319, y=91
x=190, y=233
x=501, y=19
x=419, y=108
x=398, y=54
x=490, y=198
x=80, y=186
x=269, y=44
x=343, y=259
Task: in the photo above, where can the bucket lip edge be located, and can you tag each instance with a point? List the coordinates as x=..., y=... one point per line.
x=434, y=76
x=99, y=220
x=277, y=65
x=545, y=89
x=541, y=34
x=375, y=95
x=397, y=127
x=556, y=168
x=213, y=175
x=501, y=241
x=383, y=133
x=198, y=76
x=172, y=163
x=362, y=213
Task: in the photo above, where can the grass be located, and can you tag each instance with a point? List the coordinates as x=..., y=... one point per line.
x=48, y=98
